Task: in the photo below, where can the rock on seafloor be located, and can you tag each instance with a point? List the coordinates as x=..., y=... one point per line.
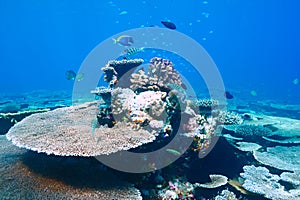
x=29, y=175
x=68, y=132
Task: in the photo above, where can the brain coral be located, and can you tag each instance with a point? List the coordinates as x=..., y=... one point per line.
x=68, y=132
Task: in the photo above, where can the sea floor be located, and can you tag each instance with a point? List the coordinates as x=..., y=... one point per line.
x=260, y=159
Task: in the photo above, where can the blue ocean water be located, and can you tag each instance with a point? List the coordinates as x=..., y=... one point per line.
x=255, y=44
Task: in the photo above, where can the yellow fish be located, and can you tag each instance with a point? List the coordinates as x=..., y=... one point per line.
x=124, y=40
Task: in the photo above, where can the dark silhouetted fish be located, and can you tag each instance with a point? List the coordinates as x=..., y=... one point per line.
x=169, y=25
x=228, y=95
x=71, y=75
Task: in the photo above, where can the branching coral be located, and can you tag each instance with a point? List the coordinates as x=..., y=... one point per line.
x=228, y=118
x=252, y=132
x=204, y=106
x=160, y=73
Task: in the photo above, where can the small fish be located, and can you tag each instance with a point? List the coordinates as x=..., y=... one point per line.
x=169, y=25
x=296, y=81
x=253, y=93
x=124, y=12
x=228, y=95
x=79, y=77
x=174, y=152
x=127, y=53
x=124, y=40
x=71, y=75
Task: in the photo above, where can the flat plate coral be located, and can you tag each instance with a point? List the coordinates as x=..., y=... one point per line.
x=68, y=132
x=28, y=175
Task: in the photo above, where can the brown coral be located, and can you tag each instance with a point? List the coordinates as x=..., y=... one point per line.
x=115, y=69
x=160, y=74
x=68, y=132
x=28, y=175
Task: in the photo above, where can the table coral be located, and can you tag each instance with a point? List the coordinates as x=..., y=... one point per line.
x=65, y=132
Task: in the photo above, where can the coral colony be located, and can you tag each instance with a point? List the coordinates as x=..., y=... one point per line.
x=141, y=109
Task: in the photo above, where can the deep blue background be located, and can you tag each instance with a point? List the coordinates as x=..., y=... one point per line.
x=255, y=44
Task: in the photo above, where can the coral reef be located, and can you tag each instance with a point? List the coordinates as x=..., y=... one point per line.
x=28, y=175
x=291, y=177
x=202, y=129
x=217, y=180
x=177, y=189
x=204, y=106
x=7, y=120
x=252, y=132
x=248, y=146
x=114, y=70
x=228, y=118
x=65, y=132
x=260, y=181
x=160, y=73
x=226, y=195
x=280, y=157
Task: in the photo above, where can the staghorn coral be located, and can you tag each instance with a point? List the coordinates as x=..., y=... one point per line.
x=115, y=69
x=65, y=132
x=228, y=118
x=252, y=132
x=160, y=73
x=204, y=106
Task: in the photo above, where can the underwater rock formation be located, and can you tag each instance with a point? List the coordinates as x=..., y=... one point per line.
x=65, y=132
x=160, y=74
x=28, y=175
